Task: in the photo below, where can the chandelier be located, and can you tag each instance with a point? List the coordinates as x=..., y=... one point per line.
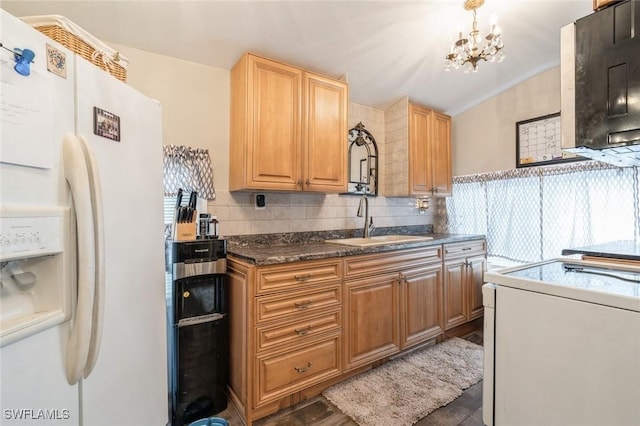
x=467, y=52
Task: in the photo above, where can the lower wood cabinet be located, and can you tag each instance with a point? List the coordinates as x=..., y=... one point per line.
x=464, y=267
x=371, y=323
x=393, y=301
x=421, y=293
x=286, y=332
x=283, y=372
x=297, y=328
x=290, y=332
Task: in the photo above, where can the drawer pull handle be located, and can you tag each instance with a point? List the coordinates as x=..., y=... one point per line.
x=303, y=331
x=466, y=248
x=303, y=369
x=303, y=277
x=303, y=305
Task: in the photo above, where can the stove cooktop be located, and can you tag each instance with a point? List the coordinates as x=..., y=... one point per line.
x=602, y=282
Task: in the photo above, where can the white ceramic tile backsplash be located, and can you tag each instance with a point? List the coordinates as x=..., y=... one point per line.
x=396, y=154
x=300, y=212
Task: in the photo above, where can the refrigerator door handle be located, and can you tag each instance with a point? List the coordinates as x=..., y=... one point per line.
x=95, y=189
x=76, y=174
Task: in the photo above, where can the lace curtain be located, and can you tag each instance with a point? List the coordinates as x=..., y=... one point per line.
x=532, y=214
x=188, y=168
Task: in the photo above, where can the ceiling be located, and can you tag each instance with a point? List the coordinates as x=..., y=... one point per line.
x=386, y=49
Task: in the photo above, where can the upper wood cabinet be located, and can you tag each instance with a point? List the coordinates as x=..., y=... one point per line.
x=441, y=155
x=418, y=151
x=288, y=128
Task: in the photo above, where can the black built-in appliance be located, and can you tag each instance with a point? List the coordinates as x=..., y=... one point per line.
x=607, y=85
x=198, y=329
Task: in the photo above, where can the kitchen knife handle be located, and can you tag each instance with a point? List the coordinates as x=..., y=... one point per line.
x=179, y=198
x=193, y=198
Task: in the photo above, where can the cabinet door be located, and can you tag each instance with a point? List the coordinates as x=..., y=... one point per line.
x=455, y=297
x=441, y=154
x=420, y=170
x=475, y=277
x=371, y=319
x=274, y=148
x=325, y=147
x=421, y=299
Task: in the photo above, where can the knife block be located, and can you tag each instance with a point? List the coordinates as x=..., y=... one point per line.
x=185, y=231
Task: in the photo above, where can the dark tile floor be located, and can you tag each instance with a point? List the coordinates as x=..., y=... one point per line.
x=466, y=410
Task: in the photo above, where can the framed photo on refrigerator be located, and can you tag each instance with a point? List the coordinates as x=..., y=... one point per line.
x=106, y=124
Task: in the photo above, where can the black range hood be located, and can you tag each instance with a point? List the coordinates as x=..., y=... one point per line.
x=601, y=85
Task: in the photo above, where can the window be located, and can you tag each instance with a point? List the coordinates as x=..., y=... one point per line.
x=532, y=214
x=188, y=169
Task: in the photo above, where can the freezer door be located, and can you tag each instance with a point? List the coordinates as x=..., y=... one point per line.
x=35, y=112
x=129, y=382
x=33, y=388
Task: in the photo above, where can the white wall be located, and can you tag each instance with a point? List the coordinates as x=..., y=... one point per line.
x=195, y=102
x=484, y=137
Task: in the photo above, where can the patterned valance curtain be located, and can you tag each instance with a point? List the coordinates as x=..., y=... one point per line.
x=188, y=168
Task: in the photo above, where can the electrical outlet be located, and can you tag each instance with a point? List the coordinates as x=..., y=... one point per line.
x=422, y=204
x=260, y=202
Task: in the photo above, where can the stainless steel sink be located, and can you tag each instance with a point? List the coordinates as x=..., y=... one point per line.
x=379, y=240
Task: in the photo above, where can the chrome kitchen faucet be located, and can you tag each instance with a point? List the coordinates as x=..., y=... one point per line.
x=368, y=221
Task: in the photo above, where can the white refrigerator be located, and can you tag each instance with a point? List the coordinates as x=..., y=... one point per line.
x=82, y=297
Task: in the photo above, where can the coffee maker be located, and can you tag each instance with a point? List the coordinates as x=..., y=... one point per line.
x=207, y=226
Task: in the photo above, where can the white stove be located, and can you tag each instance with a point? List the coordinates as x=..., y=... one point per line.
x=562, y=344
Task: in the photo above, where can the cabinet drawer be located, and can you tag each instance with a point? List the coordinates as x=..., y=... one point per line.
x=282, y=306
x=390, y=261
x=297, y=331
x=297, y=275
x=284, y=373
x=464, y=249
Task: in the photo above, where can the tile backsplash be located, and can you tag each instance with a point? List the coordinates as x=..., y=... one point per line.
x=302, y=212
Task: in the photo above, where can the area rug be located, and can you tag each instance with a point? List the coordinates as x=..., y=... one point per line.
x=404, y=390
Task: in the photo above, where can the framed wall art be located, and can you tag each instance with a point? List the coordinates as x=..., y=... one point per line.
x=539, y=142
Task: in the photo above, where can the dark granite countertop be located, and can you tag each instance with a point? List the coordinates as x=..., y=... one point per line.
x=270, y=249
x=623, y=249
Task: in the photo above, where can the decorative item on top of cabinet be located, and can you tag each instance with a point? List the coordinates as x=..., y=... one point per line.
x=418, y=150
x=464, y=266
x=288, y=128
x=601, y=4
